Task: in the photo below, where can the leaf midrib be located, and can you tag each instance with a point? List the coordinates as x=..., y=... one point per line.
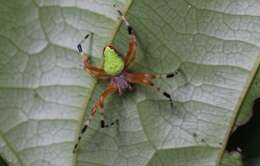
x=11, y=149
x=83, y=114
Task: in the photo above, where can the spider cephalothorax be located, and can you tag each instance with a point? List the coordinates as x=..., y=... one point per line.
x=115, y=70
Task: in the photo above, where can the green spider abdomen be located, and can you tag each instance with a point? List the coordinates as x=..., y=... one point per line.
x=113, y=63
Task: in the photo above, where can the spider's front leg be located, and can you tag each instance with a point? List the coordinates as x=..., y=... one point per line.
x=131, y=53
x=111, y=88
x=97, y=73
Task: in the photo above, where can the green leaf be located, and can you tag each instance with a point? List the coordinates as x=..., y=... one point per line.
x=246, y=109
x=231, y=159
x=45, y=95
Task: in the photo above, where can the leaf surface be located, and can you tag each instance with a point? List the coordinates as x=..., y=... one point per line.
x=45, y=95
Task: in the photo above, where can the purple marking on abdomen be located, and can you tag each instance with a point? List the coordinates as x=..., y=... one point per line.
x=121, y=83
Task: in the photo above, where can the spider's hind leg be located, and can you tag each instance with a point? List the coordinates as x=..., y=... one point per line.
x=148, y=79
x=162, y=91
x=170, y=75
x=111, y=88
x=82, y=131
x=103, y=124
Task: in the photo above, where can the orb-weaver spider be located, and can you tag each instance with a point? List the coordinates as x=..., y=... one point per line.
x=115, y=69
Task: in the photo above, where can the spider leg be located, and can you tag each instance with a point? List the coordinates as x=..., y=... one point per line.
x=100, y=104
x=146, y=79
x=168, y=75
x=131, y=53
x=111, y=88
x=129, y=27
x=95, y=72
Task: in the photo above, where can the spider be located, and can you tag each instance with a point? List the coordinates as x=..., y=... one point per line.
x=115, y=70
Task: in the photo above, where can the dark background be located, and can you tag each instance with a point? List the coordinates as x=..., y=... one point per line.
x=247, y=138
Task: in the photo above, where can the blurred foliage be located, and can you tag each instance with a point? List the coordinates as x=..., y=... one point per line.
x=231, y=159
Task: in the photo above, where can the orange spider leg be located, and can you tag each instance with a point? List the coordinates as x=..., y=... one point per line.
x=97, y=73
x=111, y=88
x=141, y=78
x=147, y=80
x=131, y=53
